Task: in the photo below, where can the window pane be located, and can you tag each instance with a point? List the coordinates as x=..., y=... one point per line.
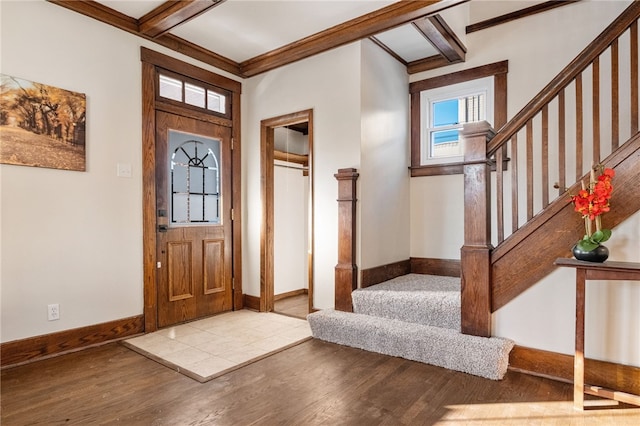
x=195, y=208
x=179, y=178
x=216, y=102
x=195, y=178
x=180, y=208
x=170, y=88
x=211, y=210
x=196, y=183
x=445, y=143
x=211, y=181
x=445, y=113
x=194, y=95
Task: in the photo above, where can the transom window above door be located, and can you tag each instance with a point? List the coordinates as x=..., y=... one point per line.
x=193, y=94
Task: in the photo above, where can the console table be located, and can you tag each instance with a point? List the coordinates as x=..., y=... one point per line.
x=595, y=271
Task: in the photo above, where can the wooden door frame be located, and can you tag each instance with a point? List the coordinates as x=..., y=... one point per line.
x=267, y=130
x=151, y=61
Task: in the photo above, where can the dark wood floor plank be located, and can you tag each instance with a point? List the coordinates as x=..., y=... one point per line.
x=312, y=383
x=294, y=306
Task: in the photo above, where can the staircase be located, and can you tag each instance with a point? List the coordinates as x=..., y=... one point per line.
x=416, y=317
x=545, y=151
x=439, y=321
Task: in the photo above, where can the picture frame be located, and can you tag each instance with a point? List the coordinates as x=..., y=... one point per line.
x=41, y=125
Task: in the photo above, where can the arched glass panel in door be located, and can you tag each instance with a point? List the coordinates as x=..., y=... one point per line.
x=194, y=179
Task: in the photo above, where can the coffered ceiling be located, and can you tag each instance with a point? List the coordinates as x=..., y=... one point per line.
x=249, y=37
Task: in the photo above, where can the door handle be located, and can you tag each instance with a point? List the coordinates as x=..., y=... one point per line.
x=163, y=228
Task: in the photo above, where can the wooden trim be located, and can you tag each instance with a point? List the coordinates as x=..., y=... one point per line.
x=290, y=157
x=566, y=76
x=48, y=345
x=396, y=14
x=183, y=68
x=347, y=32
x=497, y=69
x=634, y=76
x=518, y=14
x=346, y=271
x=236, y=200
x=378, y=274
x=172, y=14
x=437, y=169
x=100, y=12
x=558, y=366
x=291, y=293
x=149, y=243
x=442, y=37
x=151, y=60
x=267, y=157
x=488, y=70
x=112, y=17
x=252, y=302
x=430, y=63
x=443, y=267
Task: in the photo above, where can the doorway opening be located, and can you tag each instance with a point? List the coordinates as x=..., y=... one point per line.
x=286, y=266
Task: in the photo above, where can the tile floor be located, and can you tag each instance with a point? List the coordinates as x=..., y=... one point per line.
x=213, y=346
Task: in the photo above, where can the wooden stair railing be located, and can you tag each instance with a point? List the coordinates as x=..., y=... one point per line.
x=551, y=143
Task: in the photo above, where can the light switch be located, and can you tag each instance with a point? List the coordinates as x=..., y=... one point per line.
x=124, y=170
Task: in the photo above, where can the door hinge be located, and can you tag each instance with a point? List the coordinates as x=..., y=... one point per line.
x=232, y=141
x=232, y=217
x=233, y=283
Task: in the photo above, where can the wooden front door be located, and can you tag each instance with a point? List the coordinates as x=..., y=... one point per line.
x=193, y=192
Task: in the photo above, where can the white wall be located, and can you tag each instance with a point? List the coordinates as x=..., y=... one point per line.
x=330, y=84
x=384, y=174
x=74, y=238
x=290, y=231
x=542, y=317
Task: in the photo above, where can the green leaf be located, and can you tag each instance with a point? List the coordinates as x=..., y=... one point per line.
x=597, y=236
x=587, y=245
x=606, y=235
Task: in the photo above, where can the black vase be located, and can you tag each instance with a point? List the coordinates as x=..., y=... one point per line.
x=598, y=254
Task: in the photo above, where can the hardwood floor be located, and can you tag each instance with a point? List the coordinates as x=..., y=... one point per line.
x=294, y=306
x=310, y=384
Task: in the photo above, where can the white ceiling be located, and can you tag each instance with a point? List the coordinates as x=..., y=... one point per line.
x=240, y=30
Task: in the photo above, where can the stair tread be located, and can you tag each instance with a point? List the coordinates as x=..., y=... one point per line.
x=485, y=357
x=423, y=299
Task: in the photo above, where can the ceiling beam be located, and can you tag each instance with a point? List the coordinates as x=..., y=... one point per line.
x=392, y=16
x=171, y=14
x=356, y=29
x=527, y=11
x=430, y=63
x=126, y=23
x=442, y=37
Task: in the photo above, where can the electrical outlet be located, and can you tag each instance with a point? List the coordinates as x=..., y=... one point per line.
x=53, y=312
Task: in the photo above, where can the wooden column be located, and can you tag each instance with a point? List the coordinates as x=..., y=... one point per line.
x=475, y=255
x=346, y=270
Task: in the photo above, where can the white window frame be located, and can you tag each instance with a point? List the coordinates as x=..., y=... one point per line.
x=459, y=90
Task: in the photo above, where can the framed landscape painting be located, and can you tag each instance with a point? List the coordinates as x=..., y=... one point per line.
x=41, y=126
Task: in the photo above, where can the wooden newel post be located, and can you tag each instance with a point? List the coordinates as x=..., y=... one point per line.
x=475, y=255
x=346, y=270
